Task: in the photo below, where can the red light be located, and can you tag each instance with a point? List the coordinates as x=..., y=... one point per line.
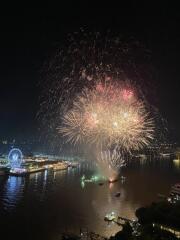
x=127, y=94
x=99, y=87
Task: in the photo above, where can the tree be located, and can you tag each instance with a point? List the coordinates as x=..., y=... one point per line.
x=125, y=234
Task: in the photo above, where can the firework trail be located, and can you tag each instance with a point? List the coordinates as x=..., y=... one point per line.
x=110, y=161
x=113, y=159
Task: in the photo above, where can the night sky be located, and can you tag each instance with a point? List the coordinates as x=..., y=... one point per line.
x=29, y=36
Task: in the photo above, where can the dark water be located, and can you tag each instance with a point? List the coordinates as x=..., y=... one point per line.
x=45, y=204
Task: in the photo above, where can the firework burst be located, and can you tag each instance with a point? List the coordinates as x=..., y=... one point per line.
x=87, y=97
x=81, y=62
x=107, y=115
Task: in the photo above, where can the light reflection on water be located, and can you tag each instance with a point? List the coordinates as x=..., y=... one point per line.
x=13, y=191
x=57, y=201
x=176, y=163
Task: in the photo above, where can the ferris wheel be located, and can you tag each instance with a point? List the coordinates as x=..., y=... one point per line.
x=15, y=157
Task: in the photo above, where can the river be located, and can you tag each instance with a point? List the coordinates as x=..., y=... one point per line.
x=48, y=203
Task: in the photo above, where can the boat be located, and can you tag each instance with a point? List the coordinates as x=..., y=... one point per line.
x=110, y=217
x=88, y=180
x=117, y=194
x=60, y=166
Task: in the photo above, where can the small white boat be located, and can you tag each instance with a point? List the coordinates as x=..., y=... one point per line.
x=110, y=217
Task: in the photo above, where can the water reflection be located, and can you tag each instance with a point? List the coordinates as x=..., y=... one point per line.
x=176, y=163
x=12, y=192
x=58, y=199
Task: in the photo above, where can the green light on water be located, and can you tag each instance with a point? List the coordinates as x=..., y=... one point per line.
x=82, y=184
x=83, y=177
x=94, y=178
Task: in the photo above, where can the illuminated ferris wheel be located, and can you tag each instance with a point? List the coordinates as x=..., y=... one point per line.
x=15, y=157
